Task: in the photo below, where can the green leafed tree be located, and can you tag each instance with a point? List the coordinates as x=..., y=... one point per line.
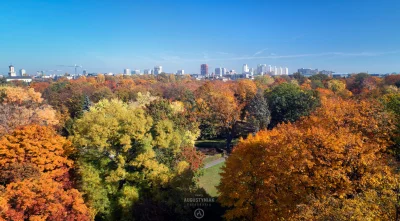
x=288, y=102
x=258, y=113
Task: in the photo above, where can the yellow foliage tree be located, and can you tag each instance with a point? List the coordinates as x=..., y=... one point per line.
x=20, y=106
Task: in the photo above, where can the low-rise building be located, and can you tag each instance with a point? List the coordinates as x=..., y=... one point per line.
x=26, y=79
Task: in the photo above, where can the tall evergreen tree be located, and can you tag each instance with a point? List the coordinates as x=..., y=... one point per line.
x=258, y=114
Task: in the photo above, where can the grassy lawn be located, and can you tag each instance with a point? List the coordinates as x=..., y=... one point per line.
x=211, y=158
x=211, y=179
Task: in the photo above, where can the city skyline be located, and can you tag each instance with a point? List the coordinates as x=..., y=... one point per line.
x=260, y=69
x=342, y=36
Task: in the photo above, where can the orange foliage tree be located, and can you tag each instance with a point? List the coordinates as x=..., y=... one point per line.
x=245, y=90
x=336, y=153
x=39, y=146
x=218, y=108
x=34, y=177
x=41, y=199
x=40, y=86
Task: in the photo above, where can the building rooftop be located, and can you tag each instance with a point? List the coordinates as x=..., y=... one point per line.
x=19, y=77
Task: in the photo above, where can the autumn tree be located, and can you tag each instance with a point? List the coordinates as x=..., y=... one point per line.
x=335, y=155
x=368, y=205
x=35, y=177
x=263, y=81
x=120, y=155
x=245, y=90
x=392, y=104
x=336, y=86
x=363, y=84
x=21, y=106
x=42, y=199
x=218, y=110
x=38, y=146
x=299, y=77
x=393, y=79
x=193, y=157
x=70, y=95
x=39, y=86
x=320, y=77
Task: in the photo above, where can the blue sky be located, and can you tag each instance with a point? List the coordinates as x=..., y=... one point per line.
x=108, y=36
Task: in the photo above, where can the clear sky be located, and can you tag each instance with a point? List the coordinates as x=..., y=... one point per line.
x=108, y=36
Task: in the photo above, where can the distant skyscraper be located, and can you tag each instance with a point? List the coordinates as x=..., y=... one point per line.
x=11, y=71
x=22, y=72
x=251, y=71
x=218, y=72
x=245, y=69
x=180, y=72
x=261, y=69
x=275, y=70
x=147, y=71
x=136, y=72
x=157, y=70
x=84, y=72
x=204, y=70
x=224, y=71
x=286, y=71
x=269, y=69
x=280, y=71
x=127, y=71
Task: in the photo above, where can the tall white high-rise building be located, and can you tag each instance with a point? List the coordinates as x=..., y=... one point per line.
x=22, y=72
x=136, y=71
x=147, y=71
x=280, y=71
x=285, y=71
x=251, y=71
x=180, y=72
x=261, y=69
x=11, y=71
x=264, y=69
x=224, y=71
x=270, y=69
x=245, y=69
x=275, y=70
x=157, y=70
x=127, y=71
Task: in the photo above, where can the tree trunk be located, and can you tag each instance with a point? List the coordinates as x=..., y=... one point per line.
x=397, y=206
x=229, y=138
x=228, y=143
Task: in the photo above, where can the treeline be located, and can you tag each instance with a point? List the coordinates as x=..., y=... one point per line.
x=122, y=148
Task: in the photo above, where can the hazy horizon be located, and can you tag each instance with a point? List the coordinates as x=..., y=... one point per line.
x=105, y=36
